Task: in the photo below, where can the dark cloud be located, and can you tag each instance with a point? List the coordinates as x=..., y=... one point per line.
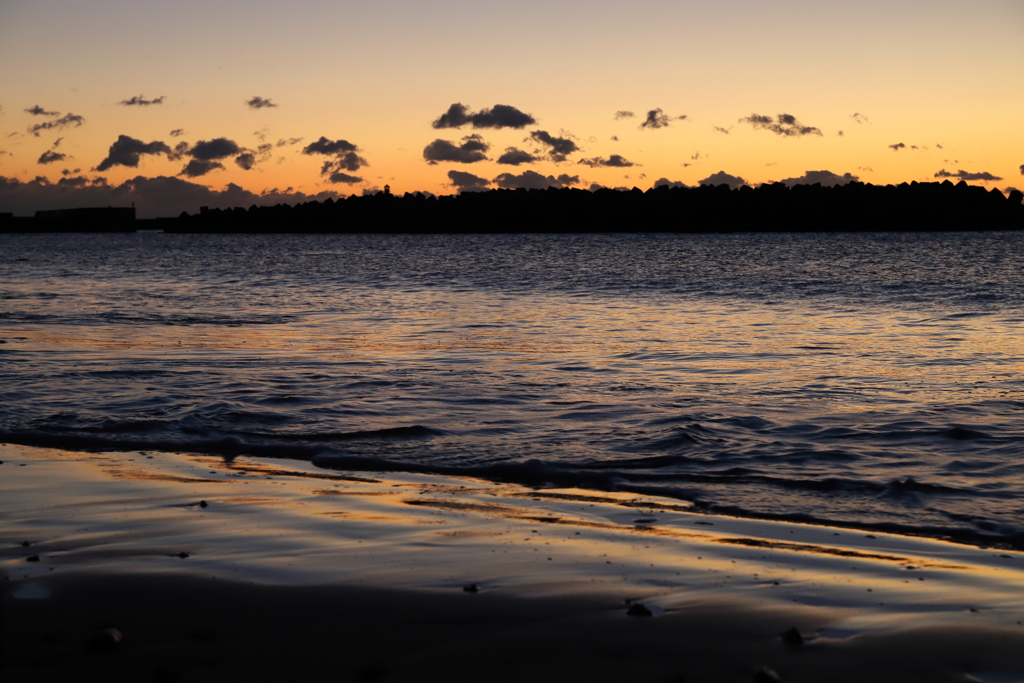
x=258, y=102
x=514, y=157
x=614, y=161
x=472, y=149
x=288, y=142
x=467, y=182
x=153, y=197
x=36, y=110
x=140, y=101
x=624, y=115
x=180, y=151
x=1022, y=169
x=127, y=151
x=329, y=147
x=249, y=158
x=50, y=157
x=719, y=129
x=343, y=178
x=723, y=178
x=665, y=182
x=826, y=178
x=345, y=158
x=897, y=147
x=560, y=147
x=200, y=167
x=498, y=116
x=66, y=121
x=859, y=118
x=783, y=124
x=246, y=160
x=532, y=180
x=939, y=146
x=177, y=132
x=656, y=118
x=218, y=148
x=967, y=175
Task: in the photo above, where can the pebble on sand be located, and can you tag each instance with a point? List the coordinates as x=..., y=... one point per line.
x=792, y=637
x=638, y=610
x=107, y=639
x=766, y=675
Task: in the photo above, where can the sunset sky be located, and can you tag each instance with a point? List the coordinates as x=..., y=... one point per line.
x=888, y=91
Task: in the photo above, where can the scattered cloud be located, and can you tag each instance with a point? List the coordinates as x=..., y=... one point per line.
x=153, y=197
x=560, y=147
x=719, y=129
x=498, y=116
x=615, y=161
x=859, y=118
x=66, y=121
x=656, y=118
x=723, y=178
x=939, y=146
x=467, y=182
x=258, y=102
x=472, y=149
x=514, y=156
x=532, y=180
x=343, y=178
x=897, y=147
x=283, y=142
x=140, y=101
x=345, y=158
x=200, y=167
x=218, y=148
x=1022, y=169
x=179, y=152
x=967, y=175
x=36, y=110
x=866, y=169
x=127, y=151
x=329, y=147
x=786, y=125
x=177, y=132
x=826, y=178
x=249, y=158
x=50, y=157
x=665, y=182
x=623, y=114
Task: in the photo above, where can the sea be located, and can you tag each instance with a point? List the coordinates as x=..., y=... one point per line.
x=871, y=381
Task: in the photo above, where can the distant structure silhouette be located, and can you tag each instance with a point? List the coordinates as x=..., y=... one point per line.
x=853, y=207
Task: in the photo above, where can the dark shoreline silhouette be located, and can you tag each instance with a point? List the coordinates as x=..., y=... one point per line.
x=854, y=207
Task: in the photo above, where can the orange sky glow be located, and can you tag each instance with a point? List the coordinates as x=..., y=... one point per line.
x=884, y=91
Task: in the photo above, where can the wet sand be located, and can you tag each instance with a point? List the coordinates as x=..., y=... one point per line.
x=289, y=570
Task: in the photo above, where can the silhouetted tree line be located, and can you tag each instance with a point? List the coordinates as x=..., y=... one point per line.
x=776, y=208
x=855, y=206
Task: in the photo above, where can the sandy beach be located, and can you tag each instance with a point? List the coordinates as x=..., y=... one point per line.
x=262, y=570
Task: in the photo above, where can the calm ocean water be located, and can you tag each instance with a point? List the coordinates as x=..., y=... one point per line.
x=872, y=380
